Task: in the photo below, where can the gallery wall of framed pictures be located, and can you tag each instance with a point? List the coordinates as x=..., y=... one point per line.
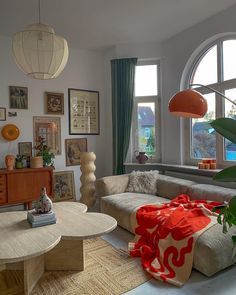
x=82, y=114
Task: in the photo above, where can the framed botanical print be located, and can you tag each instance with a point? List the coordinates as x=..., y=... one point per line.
x=48, y=128
x=54, y=103
x=18, y=97
x=63, y=186
x=74, y=147
x=83, y=111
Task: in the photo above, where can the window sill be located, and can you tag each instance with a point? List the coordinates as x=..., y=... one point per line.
x=169, y=167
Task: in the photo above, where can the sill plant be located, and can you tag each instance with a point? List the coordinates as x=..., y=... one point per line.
x=44, y=151
x=227, y=212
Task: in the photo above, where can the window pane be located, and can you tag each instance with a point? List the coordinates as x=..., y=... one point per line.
x=230, y=112
x=203, y=135
x=229, y=59
x=206, y=70
x=146, y=128
x=146, y=80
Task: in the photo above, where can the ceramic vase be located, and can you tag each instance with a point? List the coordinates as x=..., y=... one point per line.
x=44, y=204
x=141, y=157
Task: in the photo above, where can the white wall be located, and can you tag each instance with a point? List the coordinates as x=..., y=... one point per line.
x=83, y=71
x=174, y=54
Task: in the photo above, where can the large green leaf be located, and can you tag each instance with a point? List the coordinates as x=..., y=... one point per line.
x=226, y=127
x=226, y=175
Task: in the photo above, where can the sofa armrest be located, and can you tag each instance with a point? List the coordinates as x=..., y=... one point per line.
x=111, y=185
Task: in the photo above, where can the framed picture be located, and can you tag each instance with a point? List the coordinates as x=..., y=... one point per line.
x=74, y=147
x=50, y=129
x=83, y=111
x=18, y=97
x=63, y=186
x=25, y=148
x=2, y=114
x=54, y=103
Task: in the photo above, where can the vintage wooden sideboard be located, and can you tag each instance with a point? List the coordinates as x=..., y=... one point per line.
x=24, y=185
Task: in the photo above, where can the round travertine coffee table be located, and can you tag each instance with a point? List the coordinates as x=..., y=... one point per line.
x=53, y=247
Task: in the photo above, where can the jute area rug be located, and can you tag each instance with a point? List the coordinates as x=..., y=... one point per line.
x=108, y=271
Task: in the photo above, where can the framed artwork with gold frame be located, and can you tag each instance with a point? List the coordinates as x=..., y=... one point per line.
x=54, y=103
x=74, y=146
x=50, y=129
x=63, y=186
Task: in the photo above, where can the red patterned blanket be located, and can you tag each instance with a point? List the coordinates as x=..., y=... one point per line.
x=166, y=235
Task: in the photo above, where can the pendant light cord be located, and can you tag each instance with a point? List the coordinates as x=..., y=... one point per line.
x=39, y=13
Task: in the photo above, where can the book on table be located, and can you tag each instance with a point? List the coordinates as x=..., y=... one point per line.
x=40, y=219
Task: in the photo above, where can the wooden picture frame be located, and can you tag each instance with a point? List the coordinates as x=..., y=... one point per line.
x=50, y=129
x=54, y=103
x=25, y=148
x=18, y=97
x=73, y=147
x=2, y=114
x=63, y=186
x=83, y=111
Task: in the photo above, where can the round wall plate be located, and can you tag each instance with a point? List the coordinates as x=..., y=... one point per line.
x=10, y=132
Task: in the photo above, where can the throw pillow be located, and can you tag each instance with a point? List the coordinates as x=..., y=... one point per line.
x=143, y=182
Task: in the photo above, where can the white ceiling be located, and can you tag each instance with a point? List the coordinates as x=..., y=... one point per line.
x=103, y=23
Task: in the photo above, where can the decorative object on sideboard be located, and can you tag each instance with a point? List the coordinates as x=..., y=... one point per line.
x=54, y=103
x=39, y=52
x=20, y=161
x=2, y=114
x=83, y=111
x=63, y=186
x=141, y=157
x=10, y=161
x=44, y=151
x=18, y=97
x=74, y=146
x=36, y=162
x=87, y=178
x=10, y=132
x=191, y=104
x=44, y=203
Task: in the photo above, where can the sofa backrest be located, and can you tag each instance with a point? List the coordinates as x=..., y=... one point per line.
x=210, y=192
x=170, y=187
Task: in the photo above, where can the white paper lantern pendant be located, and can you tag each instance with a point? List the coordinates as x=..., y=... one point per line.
x=39, y=52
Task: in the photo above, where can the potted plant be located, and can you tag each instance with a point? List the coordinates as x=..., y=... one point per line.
x=44, y=151
x=19, y=161
x=227, y=212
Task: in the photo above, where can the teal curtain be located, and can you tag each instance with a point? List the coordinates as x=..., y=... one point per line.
x=122, y=74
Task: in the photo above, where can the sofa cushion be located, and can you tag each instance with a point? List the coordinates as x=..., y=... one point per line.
x=121, y=206
x=170, y=187
x=214, y=250
x=210, y=192
x=143, y=182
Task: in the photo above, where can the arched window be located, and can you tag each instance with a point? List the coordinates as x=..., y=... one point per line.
x=214, y=67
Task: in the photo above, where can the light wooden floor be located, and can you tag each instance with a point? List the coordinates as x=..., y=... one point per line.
x=223, y=283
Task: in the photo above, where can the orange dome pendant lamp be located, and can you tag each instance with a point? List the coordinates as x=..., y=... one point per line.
x=190, y=103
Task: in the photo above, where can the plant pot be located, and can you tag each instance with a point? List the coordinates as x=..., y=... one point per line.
x=36, y=162
x=18, y=165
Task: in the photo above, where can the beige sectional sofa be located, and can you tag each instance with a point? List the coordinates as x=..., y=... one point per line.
x=120, y=196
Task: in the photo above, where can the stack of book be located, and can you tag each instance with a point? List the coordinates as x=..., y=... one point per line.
x=41, y=219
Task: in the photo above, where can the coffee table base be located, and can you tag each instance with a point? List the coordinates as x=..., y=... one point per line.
x=66, y=255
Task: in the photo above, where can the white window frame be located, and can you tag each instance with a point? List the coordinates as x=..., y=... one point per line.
x=221, y=86
x=152, y=99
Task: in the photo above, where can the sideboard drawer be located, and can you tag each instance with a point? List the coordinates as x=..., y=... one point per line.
x=3, y=195
x=2, y=180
